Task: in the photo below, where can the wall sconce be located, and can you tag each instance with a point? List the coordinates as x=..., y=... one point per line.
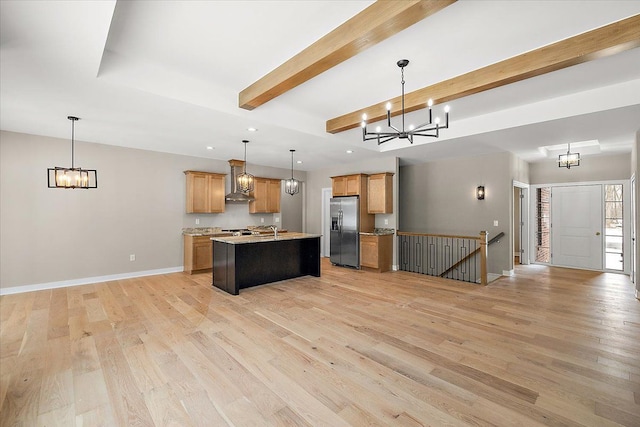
x=480, y=192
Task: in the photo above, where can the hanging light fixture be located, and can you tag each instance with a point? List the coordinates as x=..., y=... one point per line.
x=569, y=159
x=73, y=177
x=245, y=180
x=430, y=128
x=292, y=186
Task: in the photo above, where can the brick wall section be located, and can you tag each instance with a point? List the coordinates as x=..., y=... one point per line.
x=543, y=236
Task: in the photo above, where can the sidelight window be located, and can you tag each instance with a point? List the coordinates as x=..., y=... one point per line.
x=613, y=235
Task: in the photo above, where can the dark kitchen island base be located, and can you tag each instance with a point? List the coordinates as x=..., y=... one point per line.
x=242, y=262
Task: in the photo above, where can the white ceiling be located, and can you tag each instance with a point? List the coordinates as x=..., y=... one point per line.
x=165, y=76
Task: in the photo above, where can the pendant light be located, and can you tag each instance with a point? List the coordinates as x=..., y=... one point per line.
x=245, y=180
x=569, y=159
x=73, y=177
x=292, y=186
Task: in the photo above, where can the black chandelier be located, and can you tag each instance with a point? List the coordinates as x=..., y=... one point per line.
x=292, y=186
x=73, y=177
x=245, y=180
x=569, y=159
x=430, y=128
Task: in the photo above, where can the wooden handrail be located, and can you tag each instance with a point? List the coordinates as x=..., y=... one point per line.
x=451, y=236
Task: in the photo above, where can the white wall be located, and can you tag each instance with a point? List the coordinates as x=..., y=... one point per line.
x=51, y=235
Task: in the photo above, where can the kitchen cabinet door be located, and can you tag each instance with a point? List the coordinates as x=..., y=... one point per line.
x=205, y=192
x=198, y=255
x=380, y=193
x=266, y=193
x=376, y=251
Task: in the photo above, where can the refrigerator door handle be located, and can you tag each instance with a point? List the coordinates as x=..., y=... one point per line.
x=340, y=220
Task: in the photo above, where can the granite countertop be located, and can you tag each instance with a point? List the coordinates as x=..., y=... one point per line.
x=237, y=240
x=379, y=232
x=217, y=231
x=204, y=231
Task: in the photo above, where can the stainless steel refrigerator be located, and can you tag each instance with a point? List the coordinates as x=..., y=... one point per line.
x=345, y=231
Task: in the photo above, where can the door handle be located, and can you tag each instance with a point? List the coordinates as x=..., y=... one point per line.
x=597, y=233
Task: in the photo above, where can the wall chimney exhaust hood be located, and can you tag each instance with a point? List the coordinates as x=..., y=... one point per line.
x=237, y=166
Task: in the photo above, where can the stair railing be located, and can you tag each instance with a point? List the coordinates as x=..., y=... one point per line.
x=451, y=256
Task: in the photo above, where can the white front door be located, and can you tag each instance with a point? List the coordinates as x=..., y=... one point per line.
x=576, y=221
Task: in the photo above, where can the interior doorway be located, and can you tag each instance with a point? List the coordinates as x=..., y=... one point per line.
x=634, y=221
x=520, y=223
x=325, y=249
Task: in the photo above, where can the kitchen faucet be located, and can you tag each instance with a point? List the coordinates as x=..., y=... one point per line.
x=275, y=231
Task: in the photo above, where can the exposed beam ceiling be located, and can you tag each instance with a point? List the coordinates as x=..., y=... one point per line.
x=376, y=23
x=608, y=40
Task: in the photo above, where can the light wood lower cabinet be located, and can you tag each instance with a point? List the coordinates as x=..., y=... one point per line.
x=198, y=254
x=376, y=251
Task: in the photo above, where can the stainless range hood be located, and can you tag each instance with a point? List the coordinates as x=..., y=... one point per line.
x=237, y=166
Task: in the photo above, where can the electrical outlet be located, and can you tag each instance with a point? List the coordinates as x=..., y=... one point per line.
x=277, y=219
x=386, y=221
x=262, y=220
x=495, y=222
x=197, y=221
x=132, y=257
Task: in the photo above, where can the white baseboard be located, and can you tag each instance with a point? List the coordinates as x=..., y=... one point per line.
x=508, y=272
x=493, y=276
x=87, y=280
x=395, y=267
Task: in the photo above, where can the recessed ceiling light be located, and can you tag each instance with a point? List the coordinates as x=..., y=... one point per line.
x=209, y=148
x=349, y=151
x=251, y=129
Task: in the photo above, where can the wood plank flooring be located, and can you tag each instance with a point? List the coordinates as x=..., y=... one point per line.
x=549, y=346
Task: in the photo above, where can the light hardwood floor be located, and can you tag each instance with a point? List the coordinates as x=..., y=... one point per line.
x=549, y=346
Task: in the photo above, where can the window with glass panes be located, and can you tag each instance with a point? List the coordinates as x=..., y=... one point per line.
x=613, y=236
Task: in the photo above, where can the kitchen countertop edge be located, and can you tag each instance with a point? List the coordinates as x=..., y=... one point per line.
x=238, y=240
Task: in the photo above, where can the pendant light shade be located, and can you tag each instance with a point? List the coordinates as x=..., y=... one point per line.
x=569, y=159
x=245, y=180
x=73, y=177
x=292, y=185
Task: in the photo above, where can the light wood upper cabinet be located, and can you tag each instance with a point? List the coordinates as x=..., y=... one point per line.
x=266, y=192
x=348, y=185
x=380, y=193
x=205, y=192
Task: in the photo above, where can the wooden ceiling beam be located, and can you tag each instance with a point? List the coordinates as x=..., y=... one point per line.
x=374, y=24
x=601, y=42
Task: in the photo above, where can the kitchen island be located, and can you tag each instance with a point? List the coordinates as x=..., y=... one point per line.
x=244, y=261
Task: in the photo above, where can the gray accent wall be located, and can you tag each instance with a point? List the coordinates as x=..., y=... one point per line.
x=440, y=198
x=51, y=235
